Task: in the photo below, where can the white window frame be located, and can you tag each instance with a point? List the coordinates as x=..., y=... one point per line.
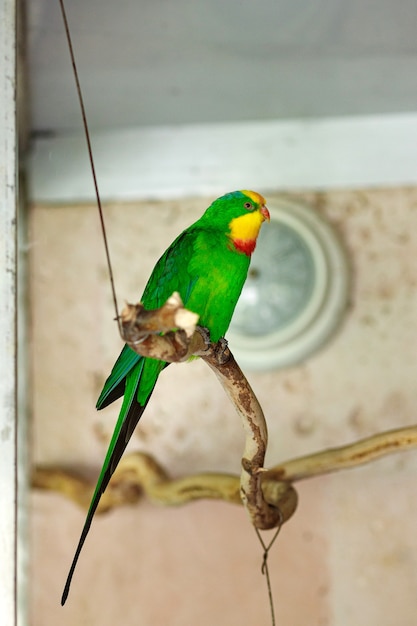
x=8, y=315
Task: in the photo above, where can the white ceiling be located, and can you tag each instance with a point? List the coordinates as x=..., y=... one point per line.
x=156, y=62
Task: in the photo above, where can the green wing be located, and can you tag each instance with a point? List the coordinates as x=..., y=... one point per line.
x=114, y=387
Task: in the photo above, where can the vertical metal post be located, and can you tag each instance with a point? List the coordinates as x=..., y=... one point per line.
x=8, y=230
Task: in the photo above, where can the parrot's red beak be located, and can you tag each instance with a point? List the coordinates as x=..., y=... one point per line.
x=265, y=213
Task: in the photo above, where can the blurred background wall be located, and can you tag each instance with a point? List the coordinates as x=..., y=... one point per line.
x=186, y=101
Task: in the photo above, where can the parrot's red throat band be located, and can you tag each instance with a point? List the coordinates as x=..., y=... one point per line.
x=247, y=246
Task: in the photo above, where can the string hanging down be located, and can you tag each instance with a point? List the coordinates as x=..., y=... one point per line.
x=91, y=159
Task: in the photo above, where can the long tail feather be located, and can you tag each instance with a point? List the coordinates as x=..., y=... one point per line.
x=129, y=416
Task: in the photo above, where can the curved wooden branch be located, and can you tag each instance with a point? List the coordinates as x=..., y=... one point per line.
x=141, y=331
x=168, y=333
x=263, y=514
x=268, y=495
x=335, y=459
x=138, y=474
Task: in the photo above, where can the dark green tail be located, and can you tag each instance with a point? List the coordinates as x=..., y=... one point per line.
x=129, y=416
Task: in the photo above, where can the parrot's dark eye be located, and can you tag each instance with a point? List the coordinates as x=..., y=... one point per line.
x=248, y=205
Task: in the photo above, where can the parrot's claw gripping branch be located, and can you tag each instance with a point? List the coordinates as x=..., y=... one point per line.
x=171, y=334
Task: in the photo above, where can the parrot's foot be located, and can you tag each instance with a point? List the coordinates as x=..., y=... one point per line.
x=222, y=351
x=205, y=334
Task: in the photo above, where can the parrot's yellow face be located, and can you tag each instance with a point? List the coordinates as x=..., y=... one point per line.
x=244, y=229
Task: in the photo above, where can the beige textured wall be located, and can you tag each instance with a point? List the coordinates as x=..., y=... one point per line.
x=348, y=557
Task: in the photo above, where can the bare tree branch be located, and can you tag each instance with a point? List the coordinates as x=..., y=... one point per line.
x=263, y=514
x=343, y=457
x=179, y=343
x=268, y=495
x=138, y=474
x=168, y=333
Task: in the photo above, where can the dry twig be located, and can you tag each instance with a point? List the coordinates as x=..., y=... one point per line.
x=139, y=474
x=268, y=495
x=182, y=339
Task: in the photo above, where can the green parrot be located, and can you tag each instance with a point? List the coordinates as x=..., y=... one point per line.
x=207, y=264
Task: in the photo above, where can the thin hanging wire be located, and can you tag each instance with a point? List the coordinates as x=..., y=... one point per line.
x=93, y=169
x=265, y=568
